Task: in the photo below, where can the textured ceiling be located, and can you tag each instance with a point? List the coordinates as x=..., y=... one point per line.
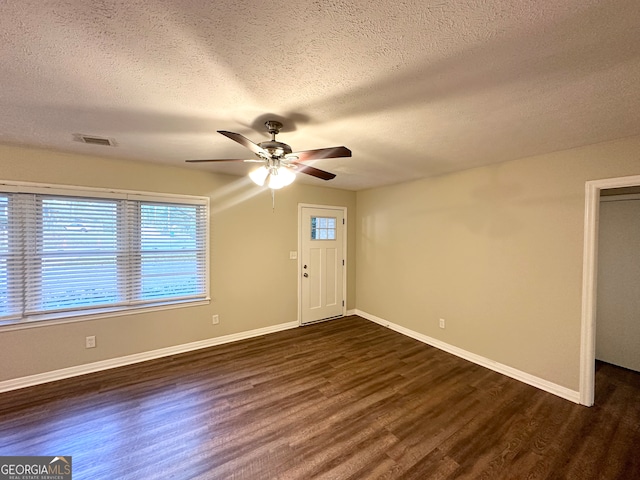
x=414, y=88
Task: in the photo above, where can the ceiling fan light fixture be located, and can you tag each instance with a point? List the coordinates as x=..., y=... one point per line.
x=259, y=175
x=280, y=177
x=274, y=177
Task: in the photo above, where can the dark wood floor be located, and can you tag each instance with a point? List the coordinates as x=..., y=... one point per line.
x=346, y=399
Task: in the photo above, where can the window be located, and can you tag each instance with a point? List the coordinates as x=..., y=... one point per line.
x=323, y=228
x=66, y=252
x=4, y=253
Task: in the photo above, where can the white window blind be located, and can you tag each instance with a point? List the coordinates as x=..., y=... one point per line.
x=66, y=253
x=170, y=258
x=8, y=295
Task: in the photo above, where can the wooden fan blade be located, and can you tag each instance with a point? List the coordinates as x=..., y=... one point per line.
x=331, y=152
x=315, y=172
x=244, y=141
x=218, y=160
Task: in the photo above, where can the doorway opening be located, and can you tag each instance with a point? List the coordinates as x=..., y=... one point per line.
x=589, y=280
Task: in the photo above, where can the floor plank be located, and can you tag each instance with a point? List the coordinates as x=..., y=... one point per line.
x=346, y=399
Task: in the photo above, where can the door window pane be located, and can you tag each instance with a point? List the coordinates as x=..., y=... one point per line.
x=323, y=228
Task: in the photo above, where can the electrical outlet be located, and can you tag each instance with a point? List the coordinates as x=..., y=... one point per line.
x=293, y=255
x=215, y=319
x=90, y=342
x=442, y=323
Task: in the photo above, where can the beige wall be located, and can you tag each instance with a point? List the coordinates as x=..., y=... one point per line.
x=618, y=300
x=496, y=251
x=253, y=282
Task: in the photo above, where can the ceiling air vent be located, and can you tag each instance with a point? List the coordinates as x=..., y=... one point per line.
x=93, y=140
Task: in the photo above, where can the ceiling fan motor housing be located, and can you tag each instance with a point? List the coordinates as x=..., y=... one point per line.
x=275, y=149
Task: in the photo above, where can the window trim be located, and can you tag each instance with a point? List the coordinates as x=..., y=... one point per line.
x=85, y=314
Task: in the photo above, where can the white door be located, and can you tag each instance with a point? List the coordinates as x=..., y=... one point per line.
x=322, y=263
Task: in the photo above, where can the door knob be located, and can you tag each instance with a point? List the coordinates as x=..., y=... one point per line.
x=305, y=274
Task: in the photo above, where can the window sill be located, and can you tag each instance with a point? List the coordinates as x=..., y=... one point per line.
x=97, y=314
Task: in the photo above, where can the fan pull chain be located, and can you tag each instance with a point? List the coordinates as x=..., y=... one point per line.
x=273, y=200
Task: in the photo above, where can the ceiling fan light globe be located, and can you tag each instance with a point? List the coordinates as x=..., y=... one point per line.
x=281, y=178
x=259, y=175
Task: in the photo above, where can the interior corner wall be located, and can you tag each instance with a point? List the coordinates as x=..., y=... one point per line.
x=496, y=251
x=253, y=281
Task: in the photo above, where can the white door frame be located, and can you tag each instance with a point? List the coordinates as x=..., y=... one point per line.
x=344, y=254
x=589, y=281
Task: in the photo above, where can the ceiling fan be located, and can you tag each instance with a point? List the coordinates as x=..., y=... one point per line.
x=278, y=161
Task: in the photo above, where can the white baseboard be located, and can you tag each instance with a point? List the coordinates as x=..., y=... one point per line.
x=348, y=313
x=69, y=372
x=31, y=380
x=542, y=384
